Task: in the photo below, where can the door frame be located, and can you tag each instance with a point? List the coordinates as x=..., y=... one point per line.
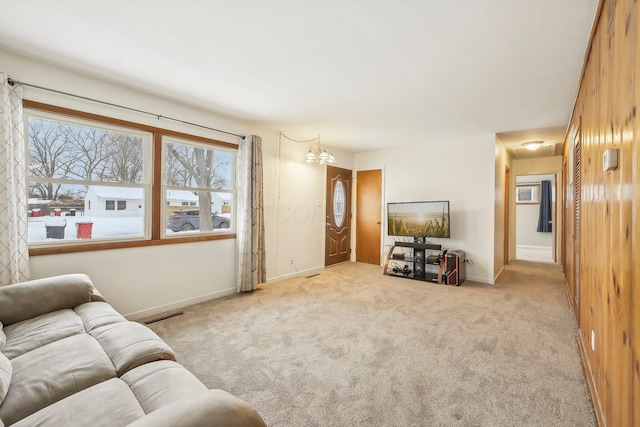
x=507, y=214
x=556, y=223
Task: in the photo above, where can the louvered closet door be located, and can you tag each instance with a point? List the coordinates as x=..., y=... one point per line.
x=576, y=227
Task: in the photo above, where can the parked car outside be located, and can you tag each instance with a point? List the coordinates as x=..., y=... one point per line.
x=188, y=220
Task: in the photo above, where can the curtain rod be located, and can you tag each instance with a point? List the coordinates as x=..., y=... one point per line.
x=159, y=116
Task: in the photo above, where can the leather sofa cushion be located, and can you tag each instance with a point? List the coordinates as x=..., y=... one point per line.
x=5, y=376
x=130, y=344
x=50, y=373
x=157, y=385
x=30, y=334
x=3, y=337
x=29, y=299
x=97, y=314
x=110, y=403
x=161, y=383
x=211, y=408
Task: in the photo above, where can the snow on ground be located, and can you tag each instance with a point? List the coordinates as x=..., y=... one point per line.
x=101, y=227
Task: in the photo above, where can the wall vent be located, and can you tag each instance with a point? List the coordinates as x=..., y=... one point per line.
x=164, y=317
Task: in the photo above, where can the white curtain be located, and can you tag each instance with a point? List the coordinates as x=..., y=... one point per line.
x=250, y=213
x=14, y=250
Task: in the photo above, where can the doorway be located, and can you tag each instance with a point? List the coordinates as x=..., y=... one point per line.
x=507, y=208
x=338, y=224
x=532, y=242
x=368, y=216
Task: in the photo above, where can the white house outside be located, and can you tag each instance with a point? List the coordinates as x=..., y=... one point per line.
x=113, y=201
x=183, y=200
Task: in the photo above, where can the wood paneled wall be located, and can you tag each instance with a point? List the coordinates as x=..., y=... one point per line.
x=608, y=295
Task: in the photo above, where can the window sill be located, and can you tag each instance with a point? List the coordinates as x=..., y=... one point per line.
x=88, y=247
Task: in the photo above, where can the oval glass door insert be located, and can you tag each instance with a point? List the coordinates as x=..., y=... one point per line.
x=339, y=206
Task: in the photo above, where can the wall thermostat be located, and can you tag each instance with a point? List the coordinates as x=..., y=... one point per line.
x=610, y=159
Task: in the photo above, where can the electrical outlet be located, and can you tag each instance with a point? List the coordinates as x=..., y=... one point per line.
x=291, y=261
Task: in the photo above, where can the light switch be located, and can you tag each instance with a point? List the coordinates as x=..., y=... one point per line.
x=610, y=159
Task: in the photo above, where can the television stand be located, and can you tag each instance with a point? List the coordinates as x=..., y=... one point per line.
x=426, y=262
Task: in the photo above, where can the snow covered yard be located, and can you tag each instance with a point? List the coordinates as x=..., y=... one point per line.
x=101, y=228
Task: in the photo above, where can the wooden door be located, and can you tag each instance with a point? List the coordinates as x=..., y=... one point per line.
x=338, y=224
x=368, y=216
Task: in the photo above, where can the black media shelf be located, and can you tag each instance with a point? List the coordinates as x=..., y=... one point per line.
x=416, y=245
x=420, y=262
x=429, y=277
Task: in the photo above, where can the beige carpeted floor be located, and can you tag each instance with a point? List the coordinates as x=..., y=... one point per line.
x=351, y=347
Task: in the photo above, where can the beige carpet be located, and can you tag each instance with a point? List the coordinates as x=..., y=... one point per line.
x=351, y=347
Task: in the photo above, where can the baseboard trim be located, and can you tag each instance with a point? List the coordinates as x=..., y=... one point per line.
x=569, y=296
x=495, y=279
x=595, y=398
x=288, y=276
x=137, y=315
x=483, y=280
x=546, y=248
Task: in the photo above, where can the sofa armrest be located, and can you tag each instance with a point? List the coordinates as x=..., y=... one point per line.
x=32, y=298
x=212, y=408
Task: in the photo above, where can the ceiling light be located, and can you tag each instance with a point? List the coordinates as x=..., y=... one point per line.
x=316, y=154
x=532, y=145
x=319, y=155
x=311, y=156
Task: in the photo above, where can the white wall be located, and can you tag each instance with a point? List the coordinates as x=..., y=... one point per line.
x=461, y=171
x=295, y=207
x=148, y=280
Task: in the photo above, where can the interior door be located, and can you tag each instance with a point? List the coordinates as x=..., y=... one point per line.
x=338, y=227
x=368, y=213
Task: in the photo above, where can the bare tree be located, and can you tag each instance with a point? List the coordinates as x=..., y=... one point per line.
x=51, y=155
x=92, y=154
x=203, y=168
x=125, y=158
x=174, y=173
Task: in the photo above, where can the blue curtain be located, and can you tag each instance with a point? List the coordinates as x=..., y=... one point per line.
x=544, y=219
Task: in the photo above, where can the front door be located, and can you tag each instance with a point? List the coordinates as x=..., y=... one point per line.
x=368, y=212
x=338, y=228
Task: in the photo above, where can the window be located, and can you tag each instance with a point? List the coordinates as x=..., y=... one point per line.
x=85, y=168
x=77, y=170
x=202, y=177
x=527, y=194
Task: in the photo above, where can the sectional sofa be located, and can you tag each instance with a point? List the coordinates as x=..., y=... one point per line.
x=67, y=358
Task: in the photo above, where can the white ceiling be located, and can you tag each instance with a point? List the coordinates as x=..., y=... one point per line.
x=362, y=74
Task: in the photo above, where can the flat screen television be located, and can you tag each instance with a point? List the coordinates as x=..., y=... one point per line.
x=418, y=219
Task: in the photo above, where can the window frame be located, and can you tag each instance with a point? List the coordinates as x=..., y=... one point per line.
x=156, y=205
x=231, y=190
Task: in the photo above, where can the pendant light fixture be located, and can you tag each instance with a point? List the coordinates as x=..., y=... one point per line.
x=317, y=153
